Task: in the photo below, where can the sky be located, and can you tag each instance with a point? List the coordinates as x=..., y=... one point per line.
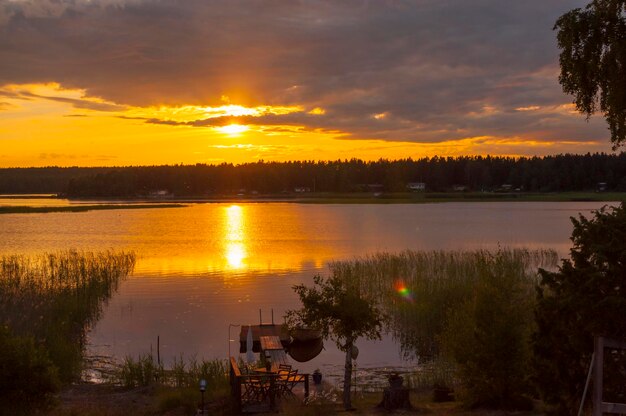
x=150, y=82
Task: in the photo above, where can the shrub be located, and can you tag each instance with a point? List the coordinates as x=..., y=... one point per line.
x=471, y=308
x=585, y=297
x=488, y=337
x=27, y=376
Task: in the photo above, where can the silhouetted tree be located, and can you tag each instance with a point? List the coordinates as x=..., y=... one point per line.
x=585, y=297
x=342, y=314
x=593, y=61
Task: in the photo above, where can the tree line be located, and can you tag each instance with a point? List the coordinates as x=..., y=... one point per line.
x=566, y=172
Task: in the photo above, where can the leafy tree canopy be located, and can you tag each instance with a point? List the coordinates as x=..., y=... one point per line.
x=341, y=313
x=584, y=298
x=593, y=61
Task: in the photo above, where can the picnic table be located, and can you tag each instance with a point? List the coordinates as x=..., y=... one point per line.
x=273, y=351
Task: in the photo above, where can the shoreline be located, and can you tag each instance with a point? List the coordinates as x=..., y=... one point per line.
x=97, y=204
x=79, y=208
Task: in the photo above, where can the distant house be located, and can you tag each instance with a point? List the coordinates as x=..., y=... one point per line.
x=416, y=186
x=459, y=188
x=506, y=187
x=160, y=193
x=601, y=187
x=369, y=187
x=301, y=189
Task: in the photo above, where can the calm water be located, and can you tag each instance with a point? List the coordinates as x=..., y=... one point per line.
x=205, y=266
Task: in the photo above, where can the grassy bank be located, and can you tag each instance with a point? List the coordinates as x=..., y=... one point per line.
x=106, y=400
x=81, y=208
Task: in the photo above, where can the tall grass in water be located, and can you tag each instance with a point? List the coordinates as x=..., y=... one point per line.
x=419, y=289
x=474, y=308
x=56, y=297
x=145, y=371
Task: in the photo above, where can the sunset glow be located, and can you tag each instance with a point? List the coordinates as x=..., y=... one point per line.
x=233, y=129
x=145, y=100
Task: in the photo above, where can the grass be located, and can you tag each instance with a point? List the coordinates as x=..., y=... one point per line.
x=472, y=309
x=145, y=371
x=55, y=298
x=81, y=208
x=104, y=400
x=419, y=289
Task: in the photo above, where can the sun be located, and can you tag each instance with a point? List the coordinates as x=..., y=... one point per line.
x=233, y=129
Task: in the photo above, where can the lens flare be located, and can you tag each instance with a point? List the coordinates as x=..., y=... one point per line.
x=404, y=291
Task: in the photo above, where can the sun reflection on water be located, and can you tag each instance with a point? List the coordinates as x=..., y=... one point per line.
x=235, y=238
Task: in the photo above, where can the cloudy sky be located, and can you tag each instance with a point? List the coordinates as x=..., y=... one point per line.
x=120, y=82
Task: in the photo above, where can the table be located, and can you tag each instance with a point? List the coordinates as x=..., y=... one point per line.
x=274, y=351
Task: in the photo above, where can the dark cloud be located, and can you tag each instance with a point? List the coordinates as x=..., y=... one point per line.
x=84, y=103
x=77, y=103
x=432, y=66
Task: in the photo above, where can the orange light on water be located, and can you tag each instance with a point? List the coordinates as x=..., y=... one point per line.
x=234, y=238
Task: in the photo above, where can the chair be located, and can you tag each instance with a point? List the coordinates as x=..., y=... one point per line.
x=288, y=381
x=257, y=389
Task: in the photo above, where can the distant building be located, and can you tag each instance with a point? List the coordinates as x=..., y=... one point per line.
x=416, y=186
x=506, y=187
x=601, y=187
x=375, y=187
x=160, y=193
x=301, y=189
x=459, y=188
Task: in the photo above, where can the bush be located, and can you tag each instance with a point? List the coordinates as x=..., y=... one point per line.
x=488, y=337
x=585, y=297
x=27, y=376
x=473, y=309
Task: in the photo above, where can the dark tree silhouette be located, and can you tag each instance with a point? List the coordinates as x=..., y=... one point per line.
x=585, y=297
x=342, y=314
x=593, y=61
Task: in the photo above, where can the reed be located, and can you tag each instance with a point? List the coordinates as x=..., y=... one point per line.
x=55, y=298
x=420, y=289
x=183, y=373
x=473, y=309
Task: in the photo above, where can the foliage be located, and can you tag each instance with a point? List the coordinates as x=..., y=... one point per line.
x=144, y=371
x=585, y=297
x=338, y=310
x=27, y=376
x=593, y=61
x=420, y=289
x=342, y=313
x=54, y=298
x=535, y=174
x=488, y=337
x=473, y=309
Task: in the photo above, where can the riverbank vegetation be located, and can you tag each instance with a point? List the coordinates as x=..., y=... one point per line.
x=80, y=208
x=47, y=304
x=585, y=297
x=560, y=173
x=470, y=308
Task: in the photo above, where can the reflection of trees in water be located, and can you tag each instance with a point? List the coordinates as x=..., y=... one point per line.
x=419, y=290
x=55, y=298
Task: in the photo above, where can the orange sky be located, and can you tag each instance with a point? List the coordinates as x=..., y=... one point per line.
x=143, y=82
x=46, y=131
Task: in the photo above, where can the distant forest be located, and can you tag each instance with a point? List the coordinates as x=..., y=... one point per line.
x=439, y=174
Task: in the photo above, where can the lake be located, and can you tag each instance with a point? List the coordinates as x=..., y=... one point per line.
x=204, y=267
